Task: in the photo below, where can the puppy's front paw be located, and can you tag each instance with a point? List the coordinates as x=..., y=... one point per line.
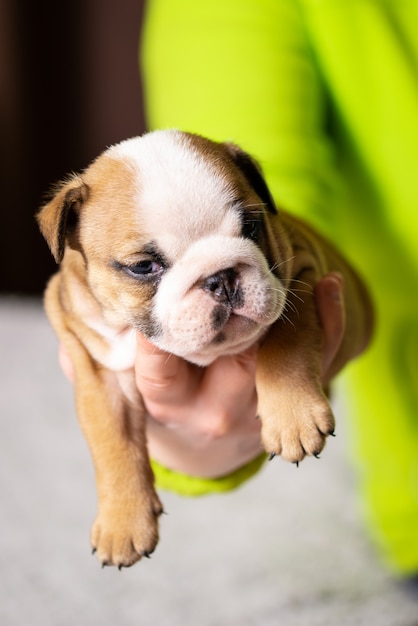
x=126, y=530
x=296, y=427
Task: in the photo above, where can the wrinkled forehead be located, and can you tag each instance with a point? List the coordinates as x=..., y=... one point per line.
x=184, y=188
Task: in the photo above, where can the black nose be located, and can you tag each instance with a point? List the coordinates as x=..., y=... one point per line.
x=224, y=287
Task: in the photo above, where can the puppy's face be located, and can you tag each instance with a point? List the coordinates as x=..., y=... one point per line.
x=176, y=237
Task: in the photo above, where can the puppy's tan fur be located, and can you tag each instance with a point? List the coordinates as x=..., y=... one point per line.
x=153, y=237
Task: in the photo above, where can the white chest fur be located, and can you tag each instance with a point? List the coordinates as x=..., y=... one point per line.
x=118, y=347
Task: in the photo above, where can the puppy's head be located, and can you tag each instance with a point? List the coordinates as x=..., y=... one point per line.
x=177, y=240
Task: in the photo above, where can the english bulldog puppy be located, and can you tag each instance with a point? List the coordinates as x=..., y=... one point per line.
x=178, y=237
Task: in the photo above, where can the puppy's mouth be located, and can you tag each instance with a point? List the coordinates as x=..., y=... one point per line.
x=238, y=333
x=202, y=339
x=223, y=313
x=234, y=334
x=227, y=320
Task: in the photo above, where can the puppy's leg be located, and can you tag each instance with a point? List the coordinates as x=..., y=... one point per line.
x=295, y=413
x=126, y=527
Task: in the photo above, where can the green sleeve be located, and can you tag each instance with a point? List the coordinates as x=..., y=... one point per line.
x=193, y=486
x=242, y=71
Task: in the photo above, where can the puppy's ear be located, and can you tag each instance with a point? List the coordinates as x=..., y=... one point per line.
x=58, y=218
x=252, y=172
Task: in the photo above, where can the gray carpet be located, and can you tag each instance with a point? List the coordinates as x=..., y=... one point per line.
x=288, y=548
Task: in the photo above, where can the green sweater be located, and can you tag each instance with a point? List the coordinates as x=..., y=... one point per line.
x=325, y=94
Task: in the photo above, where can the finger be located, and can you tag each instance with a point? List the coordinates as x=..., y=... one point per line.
x=163, y=378
x=229, y=383
x=247, y=360
x=330, y=303
x=239, y=370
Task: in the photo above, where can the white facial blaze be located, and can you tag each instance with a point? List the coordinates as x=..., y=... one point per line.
x=179, y=189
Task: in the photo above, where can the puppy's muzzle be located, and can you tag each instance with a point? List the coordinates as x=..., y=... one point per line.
x=225, y=288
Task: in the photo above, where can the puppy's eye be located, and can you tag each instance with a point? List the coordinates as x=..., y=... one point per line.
x=144, y=269
x=251, y=229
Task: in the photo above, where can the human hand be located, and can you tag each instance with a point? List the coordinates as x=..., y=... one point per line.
x=203, y=420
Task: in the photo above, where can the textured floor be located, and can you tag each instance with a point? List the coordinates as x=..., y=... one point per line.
x=288, y=548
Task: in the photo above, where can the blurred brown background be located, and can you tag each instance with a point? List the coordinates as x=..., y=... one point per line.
x=69, y=87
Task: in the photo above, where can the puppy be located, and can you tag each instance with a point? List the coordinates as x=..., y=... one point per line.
x=178, y=237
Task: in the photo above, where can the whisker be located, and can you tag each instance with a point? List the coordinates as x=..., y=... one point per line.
x=278, y=289
x=301, y=290
x=301, y=282
x=288, y=320
x=292, y=306
x=296, y=296
x=279, y=264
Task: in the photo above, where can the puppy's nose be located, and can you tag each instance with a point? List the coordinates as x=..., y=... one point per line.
x=224, y=287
